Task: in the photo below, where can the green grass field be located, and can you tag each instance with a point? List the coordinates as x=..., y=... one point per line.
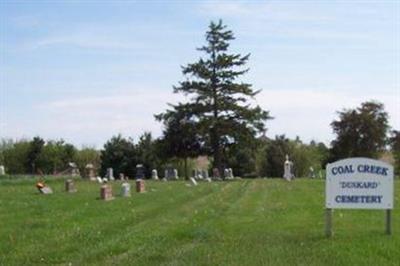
x=246, y=222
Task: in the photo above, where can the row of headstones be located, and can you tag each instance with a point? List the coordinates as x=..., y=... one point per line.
x=288, y=170
x=105, y=189
x=169, y=174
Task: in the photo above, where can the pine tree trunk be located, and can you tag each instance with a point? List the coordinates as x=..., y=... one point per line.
x=186, y=175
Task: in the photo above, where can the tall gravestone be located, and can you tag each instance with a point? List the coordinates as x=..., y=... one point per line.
x=2, y=170
x=231, y=173
x=288, y=169
x=110, y=174
x=139, y=172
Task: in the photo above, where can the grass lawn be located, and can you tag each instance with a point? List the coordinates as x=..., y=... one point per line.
x=246, y=222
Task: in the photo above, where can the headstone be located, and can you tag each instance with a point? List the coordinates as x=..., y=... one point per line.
x=226, y=173
x=207, y=179
x=139, y=172
x=205, y=174
x=311, y=173
x=126, y=189
x=193, y=181
x=176, y=177
x=231, y=173
x=70, y=186
x=166, y=174
x=154, y=174
x=140, y=185
x=43, y=188
x=171, y=174
x=288, y=169
x=199, y=174
x=90, y=173
x=99, y=180
x=2, y=170
x=121, y=176
x=73, y=168
x=216, y=173
x=106, y=192
x=46, y=190
x=110, y=174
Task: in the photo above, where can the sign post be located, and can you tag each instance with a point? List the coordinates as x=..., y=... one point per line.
x=328, y=222
x=358, y=183
x=389, y=222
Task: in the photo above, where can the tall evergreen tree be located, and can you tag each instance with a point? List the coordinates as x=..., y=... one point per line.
x=219, y=104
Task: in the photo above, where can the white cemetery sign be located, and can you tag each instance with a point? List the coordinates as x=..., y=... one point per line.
x=358, y=183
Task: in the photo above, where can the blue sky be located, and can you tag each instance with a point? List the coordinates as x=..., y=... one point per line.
x=87, y=70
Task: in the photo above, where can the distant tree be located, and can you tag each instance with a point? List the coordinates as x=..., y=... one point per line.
x=275, y=153
x=301, y=154
x=219, y=105
x=15, y=157
x=55, y=156
x=181, y=138
x=147, y=153
x=87, y=155
x=395, y=147
x=121, y=155
x=35, y=148
x=5, y=144
x=361, y=132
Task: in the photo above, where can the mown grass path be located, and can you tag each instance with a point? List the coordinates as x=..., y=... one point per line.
x=246, y=222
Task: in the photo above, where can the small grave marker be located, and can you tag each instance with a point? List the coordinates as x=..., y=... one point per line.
x=70, y=186
x=43, y=189
x=140, y=185
x=154, y=174
x=193, y=181
x=106, y=192
x=125, y=189
x=2, y=170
